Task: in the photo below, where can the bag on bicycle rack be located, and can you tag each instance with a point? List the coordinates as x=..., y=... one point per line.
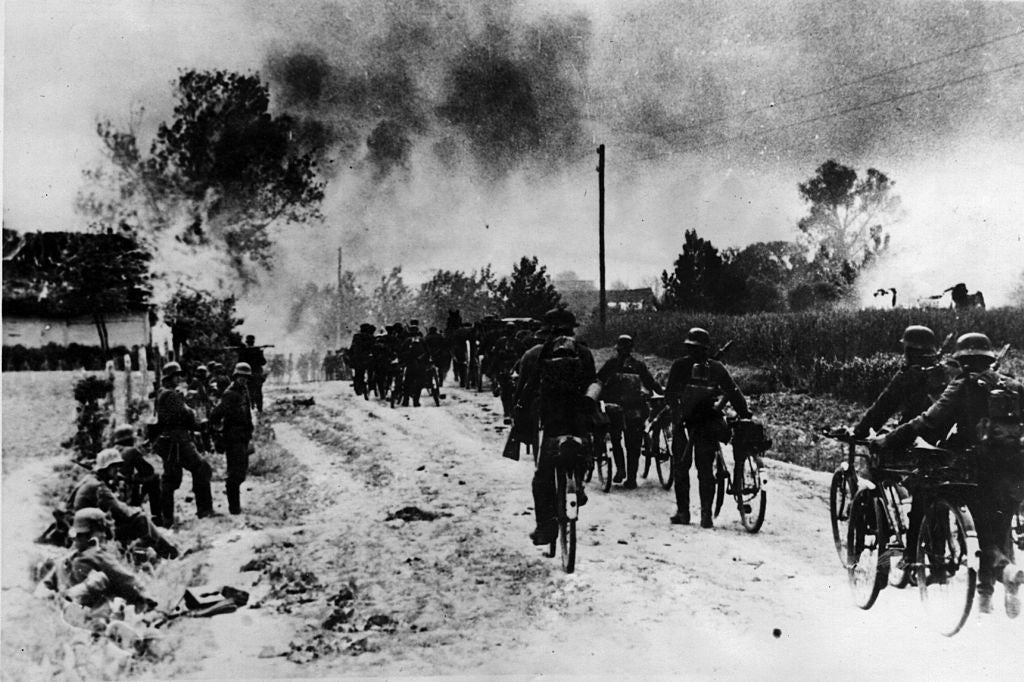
x=749, y=437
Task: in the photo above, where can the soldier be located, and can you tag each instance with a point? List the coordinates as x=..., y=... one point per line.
x=361, y=356
x=967, y=403
x=234, y=416
x=219, y=380
x=556, y=377
x=415, y=359
x=91, y=574
x=252, y=355
x=437, y=349
x=694, y=381
x=176, y=423
x=130, y=523
x=140, y=478
x=623, y=379
x=914, y=387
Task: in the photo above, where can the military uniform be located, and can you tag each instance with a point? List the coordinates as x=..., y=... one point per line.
x=910, y=392
x=1000, y=489
x=130, y=523
x=235, y=416
x=177, y=450
x=253, y=356
x=622, y=379
x=705, y=425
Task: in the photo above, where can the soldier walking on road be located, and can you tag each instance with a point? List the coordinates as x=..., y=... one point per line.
x=252, y=355
x=234, y=416
x=623, y=379
x=694, y=382
x=176, y=424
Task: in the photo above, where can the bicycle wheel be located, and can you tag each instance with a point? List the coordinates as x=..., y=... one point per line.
x=435, y=388
x=650, y=450
x=840, y=501
x=866, y=573
x=663, y=457
x=567, y=512
x=946, y=577
x=603, y=464
x=750, y=494
x=721, y=481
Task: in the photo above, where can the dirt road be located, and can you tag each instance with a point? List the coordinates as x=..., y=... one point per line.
x=467, y=593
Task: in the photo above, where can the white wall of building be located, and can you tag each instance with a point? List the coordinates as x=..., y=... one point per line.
x=35, y=332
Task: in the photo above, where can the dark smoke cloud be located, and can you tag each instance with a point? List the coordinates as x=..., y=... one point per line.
x=470, y=81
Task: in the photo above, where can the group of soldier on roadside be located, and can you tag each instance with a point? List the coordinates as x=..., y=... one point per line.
x=195, y=416
x=979, y=410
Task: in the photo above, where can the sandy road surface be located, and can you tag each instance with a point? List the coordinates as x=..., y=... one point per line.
x=472, y=595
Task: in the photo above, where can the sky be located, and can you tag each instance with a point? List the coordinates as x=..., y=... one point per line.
x=711, y=114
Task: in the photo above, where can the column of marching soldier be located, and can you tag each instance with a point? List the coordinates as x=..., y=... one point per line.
x=109, y=533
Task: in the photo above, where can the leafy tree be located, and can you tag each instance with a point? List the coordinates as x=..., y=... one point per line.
x=767, y=270
x=471, y=294
x=848, y=215
x=219, y=174
x=393, y=300
x=699, y=280
x=528, y=292
x=202, y=324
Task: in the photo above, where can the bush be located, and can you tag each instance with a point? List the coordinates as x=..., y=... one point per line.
x=859, y=380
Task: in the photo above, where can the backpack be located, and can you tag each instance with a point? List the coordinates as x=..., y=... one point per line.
x=561, y=371
x=1001, y=429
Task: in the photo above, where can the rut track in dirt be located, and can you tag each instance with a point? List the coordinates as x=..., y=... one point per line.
x=646, y=595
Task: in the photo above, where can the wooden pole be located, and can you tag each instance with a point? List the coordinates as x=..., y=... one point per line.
x=603, y=297
x=337, y=312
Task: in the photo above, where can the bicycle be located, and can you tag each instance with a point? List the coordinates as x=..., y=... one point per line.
x=842, y=490
x=602, y=459
x=568, y=481
x=945, y=550
x=657, y=445
x=749, y=480
x=434, y=385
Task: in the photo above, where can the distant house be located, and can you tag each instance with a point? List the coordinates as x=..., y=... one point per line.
x=583, y=301
x=632, y=299
x=33, y=317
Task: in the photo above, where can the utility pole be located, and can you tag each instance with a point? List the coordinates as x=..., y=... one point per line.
x=603, y=297
x=337, y=329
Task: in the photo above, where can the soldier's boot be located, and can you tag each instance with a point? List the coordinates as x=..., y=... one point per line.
x=632, y=465
x=707, y=501
x=620, y=463
x=204, y=497
x=167, y=508
x=164, y=548
x=233, y=492
x=682, y=485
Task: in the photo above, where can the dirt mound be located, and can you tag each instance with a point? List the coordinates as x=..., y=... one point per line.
x=414, y=514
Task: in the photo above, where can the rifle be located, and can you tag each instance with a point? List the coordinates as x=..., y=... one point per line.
x=999, y=357
x=266, y=345
x=721, y=351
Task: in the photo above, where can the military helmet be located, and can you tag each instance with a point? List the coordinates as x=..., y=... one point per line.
x=367, y=328
x=202, y=369
x=243, y=369
x=974, y=344
x=919, y=338
x=698, y=337
x=88, y=520
x=107, y=458
x=559, y=318
x=124, y=433
x=624, y=341
x=171, y=368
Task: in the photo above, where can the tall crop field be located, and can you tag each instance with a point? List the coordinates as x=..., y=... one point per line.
x=795, y=344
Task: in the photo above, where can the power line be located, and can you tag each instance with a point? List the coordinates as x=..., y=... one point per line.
x=832, y=88
x=842, y=112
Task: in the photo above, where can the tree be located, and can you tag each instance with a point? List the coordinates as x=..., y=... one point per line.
x=768, y=270
x=848, y=215
x=202, y=324
x=528, y=292
x=699, y=279
x=219, y=174
x=472, y=294
x=392, y=300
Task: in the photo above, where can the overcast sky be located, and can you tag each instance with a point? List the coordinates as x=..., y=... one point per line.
x=700, y=105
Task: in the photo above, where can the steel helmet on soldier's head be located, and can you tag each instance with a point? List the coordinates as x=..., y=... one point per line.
x=202, y=369
x=124, y=434
x=367, y=328
x=624, y=341
x=974, y=344
x=698, y=337
x=919, y=338
x=559, y=318
x=171, y=368
x=243, y=369
x=88, y=520
x=107, y=458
